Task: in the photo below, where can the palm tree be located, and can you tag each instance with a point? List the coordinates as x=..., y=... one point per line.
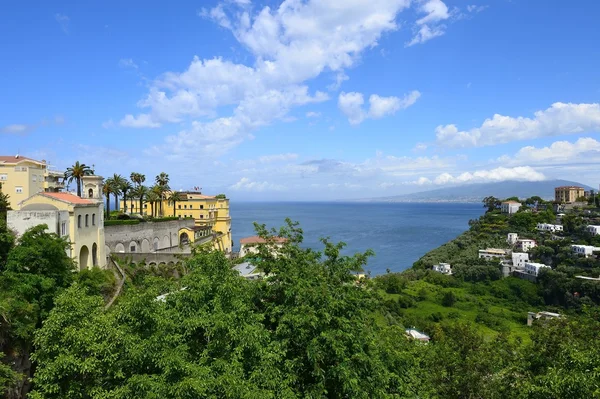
x=76, y=172
x=107, y=191
x=152, y=198
x=140, y=192
x=127, y=187
x=117, y=182
x=137, y=178
x=162, y=181
x=174, y=197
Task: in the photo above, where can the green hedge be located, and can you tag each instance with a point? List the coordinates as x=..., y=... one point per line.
x=165, y=219
x=120, y=222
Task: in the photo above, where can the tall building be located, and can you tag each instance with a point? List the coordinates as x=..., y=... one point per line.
x=568, y=194
x=22, y=177
x=78, y=219
x=206, y=210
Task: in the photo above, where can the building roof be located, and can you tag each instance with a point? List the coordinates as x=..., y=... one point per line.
x=569, y=187
x=260, y=240
x=245, y=268
x=511, y=202
x=70, y=198
x=416, y=334
x=14, y=159
x=494, y=250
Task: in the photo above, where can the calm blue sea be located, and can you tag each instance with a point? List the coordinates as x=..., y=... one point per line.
x=399, y=233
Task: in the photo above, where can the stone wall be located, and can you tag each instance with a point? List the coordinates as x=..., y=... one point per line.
x=145, y=237
x=21, y=221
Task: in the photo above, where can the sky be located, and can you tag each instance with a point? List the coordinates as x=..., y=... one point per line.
x=306, y=99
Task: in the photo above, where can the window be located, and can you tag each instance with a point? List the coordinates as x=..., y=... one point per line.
x=185, y=207
x=201, y=206
x=19, y=190
x=190, y=206
x=87, y=220
x=201, y=216
x=63, y=229
x=93, y=219
x=145, y=206
x=79, y=221
x=3, y=176
x=179, y=206
x=34, y=177
x=132, y=248
x=91, y=193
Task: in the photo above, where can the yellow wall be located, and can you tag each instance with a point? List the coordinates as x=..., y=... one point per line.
x=81, y=237
x=206, y=211
x=29, y=176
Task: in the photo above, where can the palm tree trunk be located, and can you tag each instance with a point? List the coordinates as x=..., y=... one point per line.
x=116, y=202
x=124, y=203
x=79, y=186
x=131, y=204
x=107, y=206
x=173, y=208
x=141, y=205
x=152, y=207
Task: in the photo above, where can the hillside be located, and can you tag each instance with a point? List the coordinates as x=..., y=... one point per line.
x=476, y=192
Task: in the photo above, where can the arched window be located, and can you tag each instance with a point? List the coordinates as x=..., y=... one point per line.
x=87, y=220
x=93, y=219
x=79, y=221
x=91, y=193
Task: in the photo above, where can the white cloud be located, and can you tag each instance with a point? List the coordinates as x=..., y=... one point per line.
x=63, y=21
x=430, y=26
x=584, y=151
x=559, y=119
x=521, y=173
x=127, y=63
x=278, y=158
x=313, y=114
x=351, y=104
x=17, y=129
x=475, y=8
x=420, y=147
x=245, y=184
x=138, y=122
x=290, y=45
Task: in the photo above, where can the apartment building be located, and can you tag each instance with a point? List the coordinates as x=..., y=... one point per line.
x=568, y=194
x=22, y=177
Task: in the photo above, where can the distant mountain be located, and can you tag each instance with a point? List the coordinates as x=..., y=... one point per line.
x=476, y=192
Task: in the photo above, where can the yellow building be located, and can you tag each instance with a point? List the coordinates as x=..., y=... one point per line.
x=206, y=210
x=22, y=177
x=568, y=194
x=67, y=215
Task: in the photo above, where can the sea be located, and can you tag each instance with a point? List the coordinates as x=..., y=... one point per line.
x=398, y=233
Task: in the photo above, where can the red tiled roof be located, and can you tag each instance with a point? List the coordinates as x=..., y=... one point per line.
x=68, y=197
x=260, y=240
x=11, y=159
x=511, y=202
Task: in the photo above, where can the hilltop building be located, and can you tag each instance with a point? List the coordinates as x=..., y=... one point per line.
x=206, y=210
x=67, y=215
x=493, y=253
x=568, y=194
x=533, y=269
x=549, y=227
x=585, y=250
x=443, y=268
x=525, y=244
x=22, y=177
x=593, y=230
x=512, y=238
x=249, y=245
x=510, y=207
x=532, y=316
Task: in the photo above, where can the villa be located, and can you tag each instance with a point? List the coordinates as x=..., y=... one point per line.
x=549, y=227
x=592, y=229
x=249, y=245
x=493, y=253
x=533, y=269
x=418, y=335
x=585, y=250
x=525, y=244
x=510, y=207
x=443, y=268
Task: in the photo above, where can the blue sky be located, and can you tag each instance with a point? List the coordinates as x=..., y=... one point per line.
x=306, y=100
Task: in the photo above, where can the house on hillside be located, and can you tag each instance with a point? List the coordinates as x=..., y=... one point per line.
x=525, y=244
x=533, y=269
x=532, y=316
x=549, y=227
x=512, y=238
x=249, y=245
x=493, y=253
x=510, y=207
x=585, y=250
x=592, y=229
x=418, y=335
x=443, y=268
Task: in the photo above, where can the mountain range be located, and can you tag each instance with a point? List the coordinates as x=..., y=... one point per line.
x=476, y=192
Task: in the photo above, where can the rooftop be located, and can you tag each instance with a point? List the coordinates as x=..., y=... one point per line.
x=14, y=159
x=70, y=198
x=245, y=268
x=494, y=250
x=260, y=240
x=511, y=202
x=416, y=334
x=569, y=188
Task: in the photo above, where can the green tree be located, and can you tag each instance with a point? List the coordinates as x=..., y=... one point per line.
x=76, y=172
x=137, y=178
x=491, y=203
x=174, y=197
x=117, y=181
x=162, y=185
x=140, y=192
x=126, y=188
x=4, y=204
x=449, y=299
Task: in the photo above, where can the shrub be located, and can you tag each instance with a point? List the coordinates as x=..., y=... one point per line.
x=117, y=222
x=449, y=299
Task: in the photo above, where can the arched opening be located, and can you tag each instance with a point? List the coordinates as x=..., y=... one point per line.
x=94, y=255
x=184, y=239
x=84, y=254
x=166, y=242
x=132, y=246
x=107, y=251
x=155, y=243
x=91, y=193
x=120, y=248
x=145, y=246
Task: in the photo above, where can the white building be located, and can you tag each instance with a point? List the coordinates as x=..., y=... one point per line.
x=512, y=238
x=533, y=268
x=443, y=268
x=519, y=259
x=594, y=230
x=525, y=244
x=585, y=250
x=510, y=207
x=493, y=253
x=418, y=335
x=532, y=316
x=250, y=245
x=248, y=271
x=549, y=227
